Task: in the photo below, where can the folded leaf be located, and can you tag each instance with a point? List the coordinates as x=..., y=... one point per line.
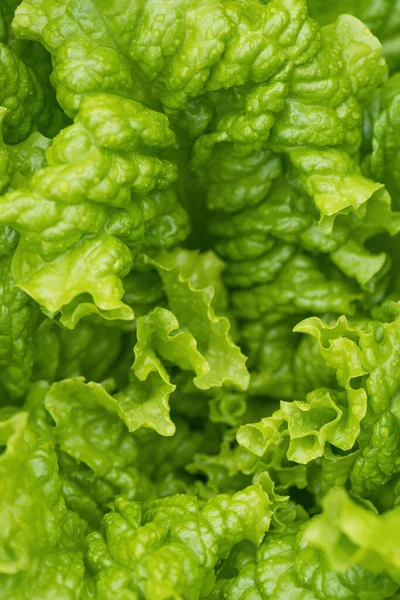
x=85, y=415
x=383, y=118
x=375, y=345
x=172, y=549
x=41, y=542
x=21, y=94
x=382, y=16
x=95, y=192
x=327, y=415
x=352, y=536
x=287, y=566
x=179, y=50
x=191, y=282
x=334, y=181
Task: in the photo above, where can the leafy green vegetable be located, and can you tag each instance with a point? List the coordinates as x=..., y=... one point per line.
x=199, y=299
x=351, y=535
x=41, y=541
x=286, y=566
x=382, y=16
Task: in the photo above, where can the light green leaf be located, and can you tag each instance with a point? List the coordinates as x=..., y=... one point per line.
x=327, y=415
x=191, y=282
x=21, y=94
x=41, y=542
x=85, y=417
x=172, y=549
x=350, y=535
x=381, y=16
x=334, y=181
x=94, y=193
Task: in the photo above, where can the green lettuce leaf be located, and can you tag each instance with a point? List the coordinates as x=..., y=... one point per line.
x=352, y=536
x=382, y=16
x=95, y=192
x=334, y=182
x=305, y=105
x=21, y=94
x=193, y=288
x=179, y=51
x=41, y=542
x=184, y=185
x=287, y=566
x=375, y=344
x=18, y=320
x=359, y=414
x=382, y=120
x=327, y=415
x=85, y=416
x=170, y=549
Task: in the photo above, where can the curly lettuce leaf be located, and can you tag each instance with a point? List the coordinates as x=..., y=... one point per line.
x=352, y=536
x=377, y=348
x=334, y=181
x=41, y=542
x=192, y=337
x=179, y=51
x=359, y=414
x=327, y=416
x=85, y=416
x=287, y=566
x=18, y=319
x=323, y=104
x=381, y=16
x=382, y=120
x=95, y=192
x=174, y=454
x=192, y=285
x=312, y=103
x=311, y=112
x=94, y=473
x=171, y=548
x=88, y=42
x=21, y=94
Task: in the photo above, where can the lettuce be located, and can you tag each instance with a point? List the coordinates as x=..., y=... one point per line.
x=199, y=300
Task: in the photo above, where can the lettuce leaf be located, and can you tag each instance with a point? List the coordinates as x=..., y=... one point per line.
x=287, y=566
x=41, y=544
x=381, y=16
x=71, y=230
x=171, y=548
x=186, y=189
x=353, y=536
